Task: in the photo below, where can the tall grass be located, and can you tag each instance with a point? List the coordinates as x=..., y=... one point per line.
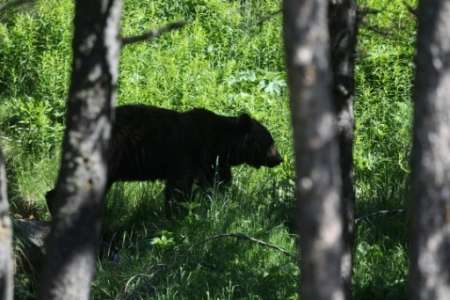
x=226, y=61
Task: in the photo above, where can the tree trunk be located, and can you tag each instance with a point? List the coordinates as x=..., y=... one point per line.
x=72, y=246
x=342, y=24
x=6, y=260
x=430, y=182
x=320, y=220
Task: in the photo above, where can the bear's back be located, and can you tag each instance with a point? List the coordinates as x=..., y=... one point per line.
x=155, y=143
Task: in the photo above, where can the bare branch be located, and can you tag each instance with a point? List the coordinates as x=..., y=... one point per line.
x=383, y=212
x=154, y=33
x=12, y=4
x=384, y=32
x=269, y=16
x=363, y=12
x=251, y=239
x=411, y=10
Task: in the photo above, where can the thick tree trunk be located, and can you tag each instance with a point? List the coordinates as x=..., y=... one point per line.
x=342, y=24
x=320, y=219
x=430, y=222
x=6, y=260
x=72, y=246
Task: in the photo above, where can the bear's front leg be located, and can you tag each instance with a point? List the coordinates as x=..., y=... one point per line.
x=219, y=173
x=177, y=190
x=225, y=174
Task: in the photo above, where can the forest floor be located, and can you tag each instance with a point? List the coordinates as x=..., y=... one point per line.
x=229, y=59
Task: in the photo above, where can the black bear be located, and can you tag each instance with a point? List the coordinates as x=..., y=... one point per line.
x=151, y=143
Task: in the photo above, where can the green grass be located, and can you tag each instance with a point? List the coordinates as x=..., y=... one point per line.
x=224, y=61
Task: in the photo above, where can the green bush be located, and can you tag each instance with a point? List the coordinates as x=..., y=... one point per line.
x=226, y=61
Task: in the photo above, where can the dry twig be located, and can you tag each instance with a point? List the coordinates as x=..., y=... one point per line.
x=411, y=10
x=154, y=33
x=267, y=17
x=383, y=212
x=12, y=4
x=242, y=236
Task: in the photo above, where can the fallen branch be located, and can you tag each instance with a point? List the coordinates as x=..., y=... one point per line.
x=379, y=30
x=411, y=10
x=363, y=12
x=251, y=239
x=12, y=4
x=383, y=212
x=154, y=33
x=267, y=17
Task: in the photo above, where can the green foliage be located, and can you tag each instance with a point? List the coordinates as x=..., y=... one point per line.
x=226, y=61
x=382, y=145
x=35, y=52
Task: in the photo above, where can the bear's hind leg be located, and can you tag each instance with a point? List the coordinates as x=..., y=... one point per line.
x=50, y=200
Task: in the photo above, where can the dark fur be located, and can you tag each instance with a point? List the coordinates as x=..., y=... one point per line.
x=151, y=143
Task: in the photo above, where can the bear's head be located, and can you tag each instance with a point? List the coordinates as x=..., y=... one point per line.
x=257, y=147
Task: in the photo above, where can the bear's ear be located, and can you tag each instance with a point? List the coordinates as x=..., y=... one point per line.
x=245, y=122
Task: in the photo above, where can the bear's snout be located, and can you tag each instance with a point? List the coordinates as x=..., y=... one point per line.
x=273, y=157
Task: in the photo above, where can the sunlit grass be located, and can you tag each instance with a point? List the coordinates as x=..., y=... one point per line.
x=225, y=61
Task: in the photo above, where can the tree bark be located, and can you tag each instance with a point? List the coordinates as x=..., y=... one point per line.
x=430, y=182
x=74, y=238
x=320, y=220
x=342, y=24
x=6, y=256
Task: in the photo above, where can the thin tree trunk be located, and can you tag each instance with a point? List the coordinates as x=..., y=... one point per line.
x=342, y=24
x=430, y=182
x=320, y=220
x=6, y=257
x=80, y=189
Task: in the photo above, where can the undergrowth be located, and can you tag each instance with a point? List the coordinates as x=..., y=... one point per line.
x=225, y=60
